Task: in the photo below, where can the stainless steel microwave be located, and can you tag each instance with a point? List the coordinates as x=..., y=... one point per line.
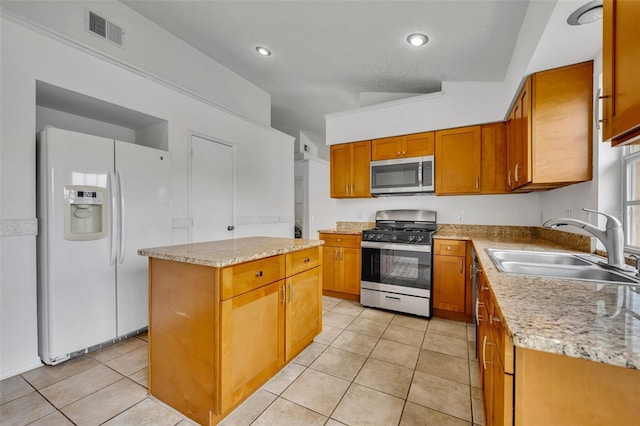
x=403, y=176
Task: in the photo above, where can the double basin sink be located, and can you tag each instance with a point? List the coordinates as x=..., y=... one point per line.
x=557, y=265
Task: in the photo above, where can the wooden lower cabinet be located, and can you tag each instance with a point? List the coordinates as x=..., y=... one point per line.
x=342, y=262
x=451, y=287
x=449, y=274
x=252, y=341
x=213, y=343
x=527, y=387
x=303, y=310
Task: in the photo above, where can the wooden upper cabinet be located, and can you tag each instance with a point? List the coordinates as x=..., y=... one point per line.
x=457, y=158
x=550, y=136
x=386, y=148
x=414, y=145
x=340, y=160
x=518, y=139
x=620, y=65
x=361, y=161
x=350, y=170
x=493, y=170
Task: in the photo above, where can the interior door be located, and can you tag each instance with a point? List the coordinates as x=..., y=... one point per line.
x=144, y=176
x=211, y=190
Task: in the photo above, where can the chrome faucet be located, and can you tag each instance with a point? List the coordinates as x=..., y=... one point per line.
x=612, y=237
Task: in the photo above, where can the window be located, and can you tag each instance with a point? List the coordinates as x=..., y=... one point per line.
x=631, y=197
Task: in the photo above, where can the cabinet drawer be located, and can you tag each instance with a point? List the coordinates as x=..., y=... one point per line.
x=238, y=279
x=449, y=247
x=341, y=240
x=300, y=261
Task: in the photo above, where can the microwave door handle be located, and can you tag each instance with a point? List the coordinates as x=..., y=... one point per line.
x=420, y=174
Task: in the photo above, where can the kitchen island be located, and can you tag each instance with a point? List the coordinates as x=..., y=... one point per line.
x=225, y=316
x=554, y=351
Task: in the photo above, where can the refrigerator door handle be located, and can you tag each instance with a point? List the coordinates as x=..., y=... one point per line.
x=112, y=217
x=123, y=228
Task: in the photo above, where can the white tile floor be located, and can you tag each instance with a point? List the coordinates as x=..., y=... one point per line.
x=367, y=367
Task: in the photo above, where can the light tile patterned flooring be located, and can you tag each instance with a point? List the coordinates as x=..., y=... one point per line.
x=367, y=367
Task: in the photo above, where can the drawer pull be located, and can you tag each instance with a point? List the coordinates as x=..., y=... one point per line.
x=290, y=292
x=461, y=266
x=258, y=274
x=477, y=312
x=284, y=294
x=494, y=319
x=395, y=299
x=307, y=260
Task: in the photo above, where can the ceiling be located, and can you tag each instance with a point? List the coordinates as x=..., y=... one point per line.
x=326, y=53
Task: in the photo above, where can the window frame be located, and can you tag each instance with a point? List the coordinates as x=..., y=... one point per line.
x=627, y=158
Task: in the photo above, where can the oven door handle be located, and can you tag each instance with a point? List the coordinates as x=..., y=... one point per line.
x=394, y=246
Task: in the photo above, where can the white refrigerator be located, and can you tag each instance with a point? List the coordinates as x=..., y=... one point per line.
x=99, y=201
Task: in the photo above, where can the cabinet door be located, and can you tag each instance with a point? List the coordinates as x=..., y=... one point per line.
x=386, y=148
x=361, y=161
x=303, y=310
x=332, y=276
x=252, y=340
x=493, y=155
x=620, y=65
x=449, y=283
x=340, y=170
x=518, y=144
x=351, y=265
x=502, y=410
x=418, y=144
x=458, y=161
x=561, y=126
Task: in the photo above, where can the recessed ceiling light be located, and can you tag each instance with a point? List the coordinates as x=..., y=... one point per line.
x=417, y=39
x=586, y=14
x=263, y=51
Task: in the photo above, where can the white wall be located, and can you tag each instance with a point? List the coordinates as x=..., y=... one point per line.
x=459, y=104
x=264, y=187
x=152, y=49
x=63, y=120
x=512, y=209
x=319, y=211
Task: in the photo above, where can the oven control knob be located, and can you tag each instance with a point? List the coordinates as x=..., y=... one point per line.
x=394, y=238
x=420, y=238
x=411, y=238
x=378, y=236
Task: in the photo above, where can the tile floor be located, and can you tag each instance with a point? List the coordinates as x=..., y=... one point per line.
x=367, y=367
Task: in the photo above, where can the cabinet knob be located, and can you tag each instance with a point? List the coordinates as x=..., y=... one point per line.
x=307, y=260
x=259, y=274
x=339, y=240
x=398, y=153
x=448, y=247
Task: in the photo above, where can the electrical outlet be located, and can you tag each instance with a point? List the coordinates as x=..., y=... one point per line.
x=461, y=217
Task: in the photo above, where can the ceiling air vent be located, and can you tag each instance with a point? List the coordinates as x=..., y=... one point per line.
x=105, y=29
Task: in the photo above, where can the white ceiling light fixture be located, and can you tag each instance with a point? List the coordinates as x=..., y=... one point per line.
x=586, y=14
x=417, y=39
x=263, y=51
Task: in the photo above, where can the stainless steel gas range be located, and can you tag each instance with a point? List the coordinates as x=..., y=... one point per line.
x=396, y=261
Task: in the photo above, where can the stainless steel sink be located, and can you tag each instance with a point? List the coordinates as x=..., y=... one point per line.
x=544, y=258
x=556, y=265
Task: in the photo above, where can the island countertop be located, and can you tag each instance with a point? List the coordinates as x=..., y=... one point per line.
x=589, y=320
x=219, y=254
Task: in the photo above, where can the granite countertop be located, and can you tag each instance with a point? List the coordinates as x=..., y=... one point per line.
x=223, y=253
x=588, y=320
x=348, y=228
